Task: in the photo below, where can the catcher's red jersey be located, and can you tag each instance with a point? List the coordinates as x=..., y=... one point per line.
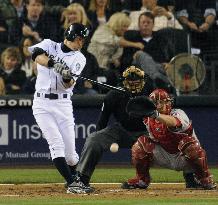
x=169, y=138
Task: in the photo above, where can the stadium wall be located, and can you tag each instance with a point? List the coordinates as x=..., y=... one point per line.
x=22, y=143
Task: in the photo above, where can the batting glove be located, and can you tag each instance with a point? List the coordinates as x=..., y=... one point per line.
x=66, y=74
x=58, y=68
x=62, y=70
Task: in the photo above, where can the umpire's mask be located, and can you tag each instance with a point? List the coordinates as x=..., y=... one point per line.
x=133, y=79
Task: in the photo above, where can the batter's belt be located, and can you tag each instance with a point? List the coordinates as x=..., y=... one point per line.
x=53, y=96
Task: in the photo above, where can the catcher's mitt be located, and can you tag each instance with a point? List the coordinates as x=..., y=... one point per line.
x=141, y=106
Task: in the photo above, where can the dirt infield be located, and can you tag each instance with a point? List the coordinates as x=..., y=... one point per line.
x=106, y=191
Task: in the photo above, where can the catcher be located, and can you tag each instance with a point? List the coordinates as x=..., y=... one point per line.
x=171, y=142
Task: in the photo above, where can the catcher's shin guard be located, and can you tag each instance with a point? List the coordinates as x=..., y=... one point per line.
x=197, y=158
x=142, y=154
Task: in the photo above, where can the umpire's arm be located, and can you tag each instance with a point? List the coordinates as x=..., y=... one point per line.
x=106, y=111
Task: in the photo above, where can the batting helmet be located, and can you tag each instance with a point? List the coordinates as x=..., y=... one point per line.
x=160, y=97
x=133, y=79
x=76, y=30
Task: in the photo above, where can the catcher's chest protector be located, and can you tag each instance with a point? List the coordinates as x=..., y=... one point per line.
x=159, y=133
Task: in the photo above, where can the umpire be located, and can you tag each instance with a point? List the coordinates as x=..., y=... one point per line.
x=124, y=131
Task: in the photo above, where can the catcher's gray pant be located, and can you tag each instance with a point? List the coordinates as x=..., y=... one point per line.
x=171, y=161
x=99, y=142
x=150, y=67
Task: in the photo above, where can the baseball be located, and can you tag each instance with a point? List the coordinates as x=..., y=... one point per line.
x=114, y=147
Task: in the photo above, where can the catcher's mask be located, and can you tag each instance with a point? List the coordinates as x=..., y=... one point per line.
x=133, y=79
x=162, y=100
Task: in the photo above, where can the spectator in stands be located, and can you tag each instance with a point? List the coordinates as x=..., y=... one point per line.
x=74, y=13
x=38, y=23
x=27, y=63
x=19, y=5
x=131, y=5
x=10, y=72
x=156, y=52
x=107, y=42
x=59, y=3
x=3, y=34
x=10, y=16
x=28, y=87
x=164, y=17
x=198, y=17
x=2, y=86
x=98, y=13
x=116, y=6
x=55, y=8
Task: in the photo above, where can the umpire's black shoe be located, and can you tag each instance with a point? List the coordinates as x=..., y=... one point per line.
x=78, y=187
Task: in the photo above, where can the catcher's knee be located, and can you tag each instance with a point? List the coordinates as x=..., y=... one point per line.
x=191, y=148
x=142, y=150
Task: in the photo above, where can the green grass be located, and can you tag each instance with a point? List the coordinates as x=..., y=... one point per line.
x=50, y=175
x=58, y=201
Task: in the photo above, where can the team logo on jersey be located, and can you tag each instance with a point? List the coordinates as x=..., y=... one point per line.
x=78, y=66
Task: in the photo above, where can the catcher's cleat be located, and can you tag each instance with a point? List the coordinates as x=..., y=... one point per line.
x=78, y=187
x=134, y=184
x=191, y=182
x=207, y=183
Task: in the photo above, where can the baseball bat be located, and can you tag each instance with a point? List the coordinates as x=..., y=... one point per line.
x=99, y=83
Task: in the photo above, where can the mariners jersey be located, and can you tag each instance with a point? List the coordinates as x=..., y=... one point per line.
x=48, y=80
x=169, y=138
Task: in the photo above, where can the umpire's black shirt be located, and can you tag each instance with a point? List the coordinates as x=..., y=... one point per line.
x=115, y=104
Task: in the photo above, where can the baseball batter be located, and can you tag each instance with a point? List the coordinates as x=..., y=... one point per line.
x=52, y=106
x=171, y=143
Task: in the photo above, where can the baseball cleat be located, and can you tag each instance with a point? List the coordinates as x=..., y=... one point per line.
x=78, y=187
x=207, y=183
x=191, y=182
x=79, y=190
x=134, y=184
x=210, y=186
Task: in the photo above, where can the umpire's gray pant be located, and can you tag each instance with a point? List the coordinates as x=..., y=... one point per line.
x=100, y=141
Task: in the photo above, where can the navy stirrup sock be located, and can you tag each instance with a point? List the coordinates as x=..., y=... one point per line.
x=61, y=165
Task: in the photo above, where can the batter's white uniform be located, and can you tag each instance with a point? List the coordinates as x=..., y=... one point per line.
x=55, y=116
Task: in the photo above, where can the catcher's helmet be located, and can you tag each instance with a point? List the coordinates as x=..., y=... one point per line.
x=133, y=79
x=76, y=30
x=160, y=97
